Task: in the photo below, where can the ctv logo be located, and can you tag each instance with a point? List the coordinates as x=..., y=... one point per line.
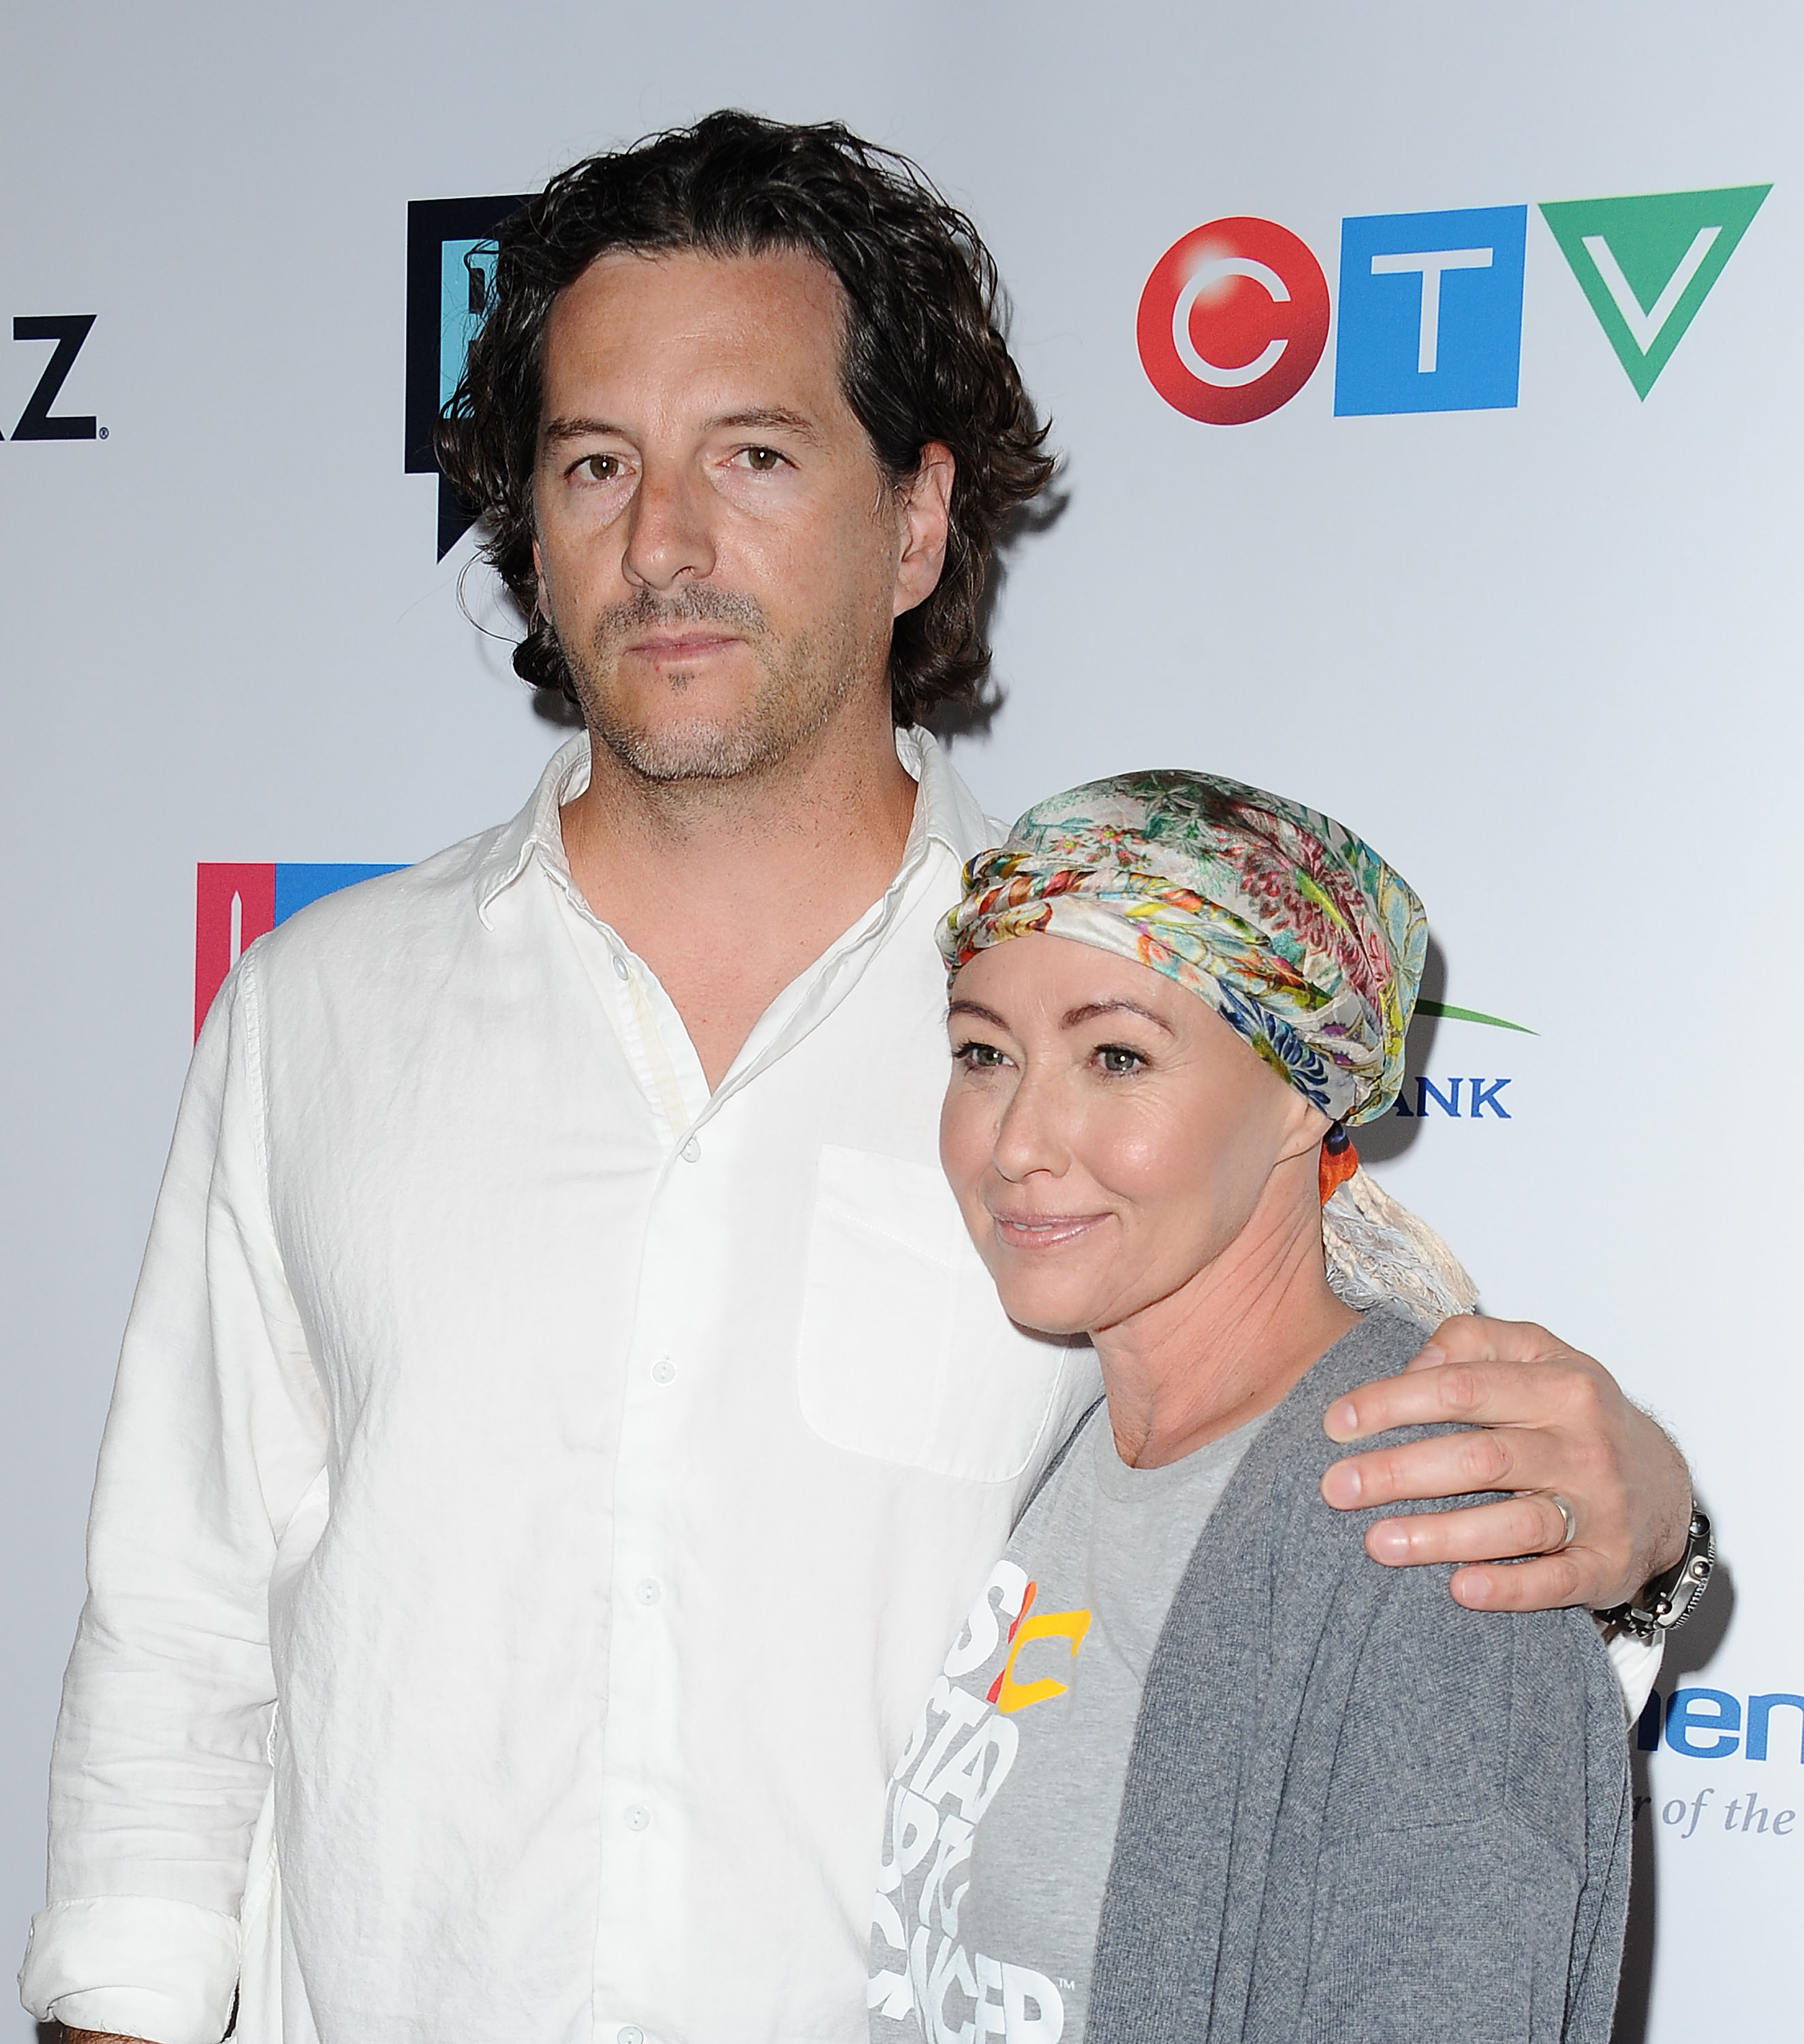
x=1234, y=317
x=235, y=904
x=451, y=261
x=1233, y=320
x=37, y=421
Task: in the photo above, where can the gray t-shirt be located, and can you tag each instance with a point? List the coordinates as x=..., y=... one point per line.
x=1002, y=1814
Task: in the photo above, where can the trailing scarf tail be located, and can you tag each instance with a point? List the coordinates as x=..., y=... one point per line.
x=1380, y=1254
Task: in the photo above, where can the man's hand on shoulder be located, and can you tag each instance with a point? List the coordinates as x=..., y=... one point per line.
x=1549, y=1423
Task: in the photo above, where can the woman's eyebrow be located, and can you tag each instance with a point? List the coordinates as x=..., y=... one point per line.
x=974, y=1008
x=1075, y=1018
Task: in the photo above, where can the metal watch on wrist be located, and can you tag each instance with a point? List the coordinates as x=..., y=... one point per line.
x=1668, y=1598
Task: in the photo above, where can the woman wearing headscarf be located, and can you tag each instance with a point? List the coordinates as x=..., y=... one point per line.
x=1197, y=1769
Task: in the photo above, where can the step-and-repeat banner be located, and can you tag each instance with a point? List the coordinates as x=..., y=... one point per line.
x=1427, y=380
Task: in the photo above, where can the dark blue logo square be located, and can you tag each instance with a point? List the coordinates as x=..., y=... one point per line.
x=450, y=266
x=1430, y=311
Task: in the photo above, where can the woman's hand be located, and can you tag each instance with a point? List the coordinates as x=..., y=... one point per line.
x=1550, y=1423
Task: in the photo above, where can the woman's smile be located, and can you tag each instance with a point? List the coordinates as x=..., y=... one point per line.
x=1043, y=1230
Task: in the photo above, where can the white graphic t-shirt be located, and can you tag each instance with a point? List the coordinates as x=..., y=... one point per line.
x=1001, y=1816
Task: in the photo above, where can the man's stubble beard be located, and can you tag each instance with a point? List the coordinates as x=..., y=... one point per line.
x=804, y=684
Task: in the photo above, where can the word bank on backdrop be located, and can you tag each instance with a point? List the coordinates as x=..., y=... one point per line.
x=1234, y=317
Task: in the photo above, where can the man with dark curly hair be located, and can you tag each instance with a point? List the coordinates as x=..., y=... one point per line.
x=562, y=1419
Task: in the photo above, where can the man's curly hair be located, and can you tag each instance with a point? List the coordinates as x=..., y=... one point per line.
x=924, y=356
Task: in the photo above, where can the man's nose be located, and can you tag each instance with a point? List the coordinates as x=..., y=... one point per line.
x=669, y=534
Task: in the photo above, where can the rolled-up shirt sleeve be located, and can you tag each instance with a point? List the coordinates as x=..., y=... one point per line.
x=217, y=1430
x=1636, y=1665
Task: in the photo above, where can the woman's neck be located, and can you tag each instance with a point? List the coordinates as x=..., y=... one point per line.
x=1229, y=1344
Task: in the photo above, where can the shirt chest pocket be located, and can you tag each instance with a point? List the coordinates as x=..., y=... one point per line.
x=905, y=1353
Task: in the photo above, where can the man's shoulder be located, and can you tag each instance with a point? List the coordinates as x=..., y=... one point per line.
x=374, y=923
x=442, y=902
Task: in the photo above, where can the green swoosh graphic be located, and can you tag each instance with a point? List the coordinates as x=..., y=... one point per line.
x=1472, y=1015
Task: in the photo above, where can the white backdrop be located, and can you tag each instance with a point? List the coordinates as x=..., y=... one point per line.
x=1545, y=655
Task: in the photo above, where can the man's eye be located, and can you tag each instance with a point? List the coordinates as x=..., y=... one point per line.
x=979, y=1057
x=600, y=467
x=1117, y=1059
x=762, y=458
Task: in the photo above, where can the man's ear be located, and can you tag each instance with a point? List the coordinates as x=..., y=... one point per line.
x=925, y=501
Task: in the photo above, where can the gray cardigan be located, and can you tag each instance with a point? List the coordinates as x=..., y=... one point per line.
x=1355, y=1810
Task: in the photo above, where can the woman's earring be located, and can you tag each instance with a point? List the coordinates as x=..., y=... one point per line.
x=1339, y=1161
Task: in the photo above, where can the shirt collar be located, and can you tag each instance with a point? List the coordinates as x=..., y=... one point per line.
x=536, y=830
x=945, y=813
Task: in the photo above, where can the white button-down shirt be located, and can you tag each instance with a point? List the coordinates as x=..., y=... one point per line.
x=539, y=1493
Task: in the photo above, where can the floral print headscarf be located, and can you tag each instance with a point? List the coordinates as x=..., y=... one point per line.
x=1295, y=931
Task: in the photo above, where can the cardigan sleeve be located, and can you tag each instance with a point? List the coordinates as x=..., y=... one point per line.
x=1473, y=1883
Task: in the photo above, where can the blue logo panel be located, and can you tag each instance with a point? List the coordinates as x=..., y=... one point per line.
x=297, y=883
x=1430, y=311
x=467, y=272
x=450, y=268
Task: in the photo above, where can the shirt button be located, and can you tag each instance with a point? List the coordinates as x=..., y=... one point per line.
x=639, y=1817
x=648, y=1592
x=692, y=1152
x=629, y=2033
x=620, y=970
x=663, y=1370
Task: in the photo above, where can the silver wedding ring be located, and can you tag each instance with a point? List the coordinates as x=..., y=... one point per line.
x=1572, y=1524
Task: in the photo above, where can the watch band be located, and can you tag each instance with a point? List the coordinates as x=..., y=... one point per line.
x=1670, y=1598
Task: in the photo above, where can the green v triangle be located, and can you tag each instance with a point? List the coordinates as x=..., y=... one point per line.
x=1647, y=264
